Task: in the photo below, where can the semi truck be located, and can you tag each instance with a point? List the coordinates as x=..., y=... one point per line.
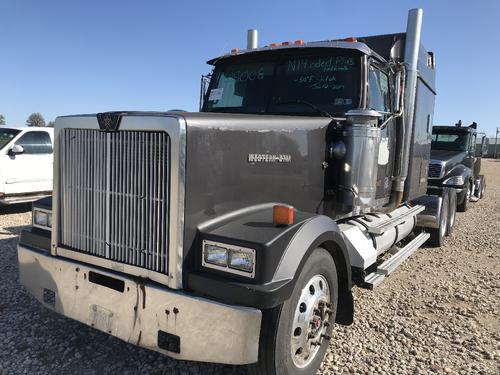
x=236, y=234
x=456, y=153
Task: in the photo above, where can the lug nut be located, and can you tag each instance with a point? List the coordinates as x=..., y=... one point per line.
x=326, y=323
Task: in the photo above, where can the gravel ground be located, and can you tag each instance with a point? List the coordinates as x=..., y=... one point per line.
x=438, y=313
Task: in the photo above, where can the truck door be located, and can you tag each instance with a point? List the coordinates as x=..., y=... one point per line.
x=379, y=99
x=30, y=171
x=477, y=153
x=470, y=157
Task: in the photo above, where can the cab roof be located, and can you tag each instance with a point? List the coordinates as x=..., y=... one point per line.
x=454, y=128
x=333, y=44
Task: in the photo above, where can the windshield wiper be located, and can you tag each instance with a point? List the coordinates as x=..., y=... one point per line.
x=299, y=101
x=224, y=109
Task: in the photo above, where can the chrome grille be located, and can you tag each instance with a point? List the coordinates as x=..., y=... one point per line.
x=114, y=195
x=435, y=170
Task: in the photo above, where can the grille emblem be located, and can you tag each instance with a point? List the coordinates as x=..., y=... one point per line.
x=109, y=121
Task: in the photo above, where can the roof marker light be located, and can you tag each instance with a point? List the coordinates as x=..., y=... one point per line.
x=285, y=43
x=235, y=51
x=350, y=39
x=275, y=45
x=300, y=41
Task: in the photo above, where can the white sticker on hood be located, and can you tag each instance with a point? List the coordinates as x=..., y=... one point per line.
x=216, y=94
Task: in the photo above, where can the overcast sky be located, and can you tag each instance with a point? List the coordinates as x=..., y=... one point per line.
x=66, y=57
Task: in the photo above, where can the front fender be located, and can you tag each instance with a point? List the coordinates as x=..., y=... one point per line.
x=320, y=231
x=314, y=233
x=459, y=170
x=281, y=253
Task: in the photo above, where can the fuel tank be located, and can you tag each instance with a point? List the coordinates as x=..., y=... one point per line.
x=352, y=178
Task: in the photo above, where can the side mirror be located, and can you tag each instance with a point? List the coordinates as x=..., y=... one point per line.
x=484, y=146
x=16, y=149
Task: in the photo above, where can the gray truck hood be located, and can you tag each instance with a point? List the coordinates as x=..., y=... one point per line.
x=449, y=157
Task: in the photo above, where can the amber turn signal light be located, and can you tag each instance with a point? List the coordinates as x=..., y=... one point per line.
x=282, y=214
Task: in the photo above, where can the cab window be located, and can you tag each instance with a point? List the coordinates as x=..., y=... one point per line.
x=379, y=97
x=7, y=135
x=35, y=142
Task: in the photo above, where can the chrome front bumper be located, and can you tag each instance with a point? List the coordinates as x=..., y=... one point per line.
x=145, y=314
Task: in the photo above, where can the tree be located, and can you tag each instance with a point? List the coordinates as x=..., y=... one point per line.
x=51, y=124
x=35, y=119
x=2, y=119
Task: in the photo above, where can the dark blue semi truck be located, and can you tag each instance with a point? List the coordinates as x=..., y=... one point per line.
x=456, y=153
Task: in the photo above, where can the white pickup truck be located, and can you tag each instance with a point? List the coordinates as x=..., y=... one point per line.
x=26, y=161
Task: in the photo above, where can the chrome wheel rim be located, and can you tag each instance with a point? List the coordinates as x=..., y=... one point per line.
x=310, y=321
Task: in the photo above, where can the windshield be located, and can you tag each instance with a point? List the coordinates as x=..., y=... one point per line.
x=450, y=141
x=312, y=84
x=6, y=135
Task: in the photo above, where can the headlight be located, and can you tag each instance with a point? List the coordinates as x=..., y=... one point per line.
x=42, y=218
x=216, y=255
x=457, y=180
x=229, y=258
x=242, y=260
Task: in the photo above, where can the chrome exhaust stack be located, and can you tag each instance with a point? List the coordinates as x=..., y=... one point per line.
x=252, y=39
x=412, y=48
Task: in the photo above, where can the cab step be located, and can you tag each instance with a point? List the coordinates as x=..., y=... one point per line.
x=375, y=278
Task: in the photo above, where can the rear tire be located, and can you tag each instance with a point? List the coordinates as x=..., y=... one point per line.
x=437, y=234
x=285, y=342
x=462, y=207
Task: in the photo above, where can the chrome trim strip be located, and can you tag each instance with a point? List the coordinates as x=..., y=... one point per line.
x=107, y=234
x=113, y=265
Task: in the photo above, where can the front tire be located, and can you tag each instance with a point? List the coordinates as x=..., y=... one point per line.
x=462, y=207
x=438, y=234
x=482, y=187
x=452, y=210
x=295, y=335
